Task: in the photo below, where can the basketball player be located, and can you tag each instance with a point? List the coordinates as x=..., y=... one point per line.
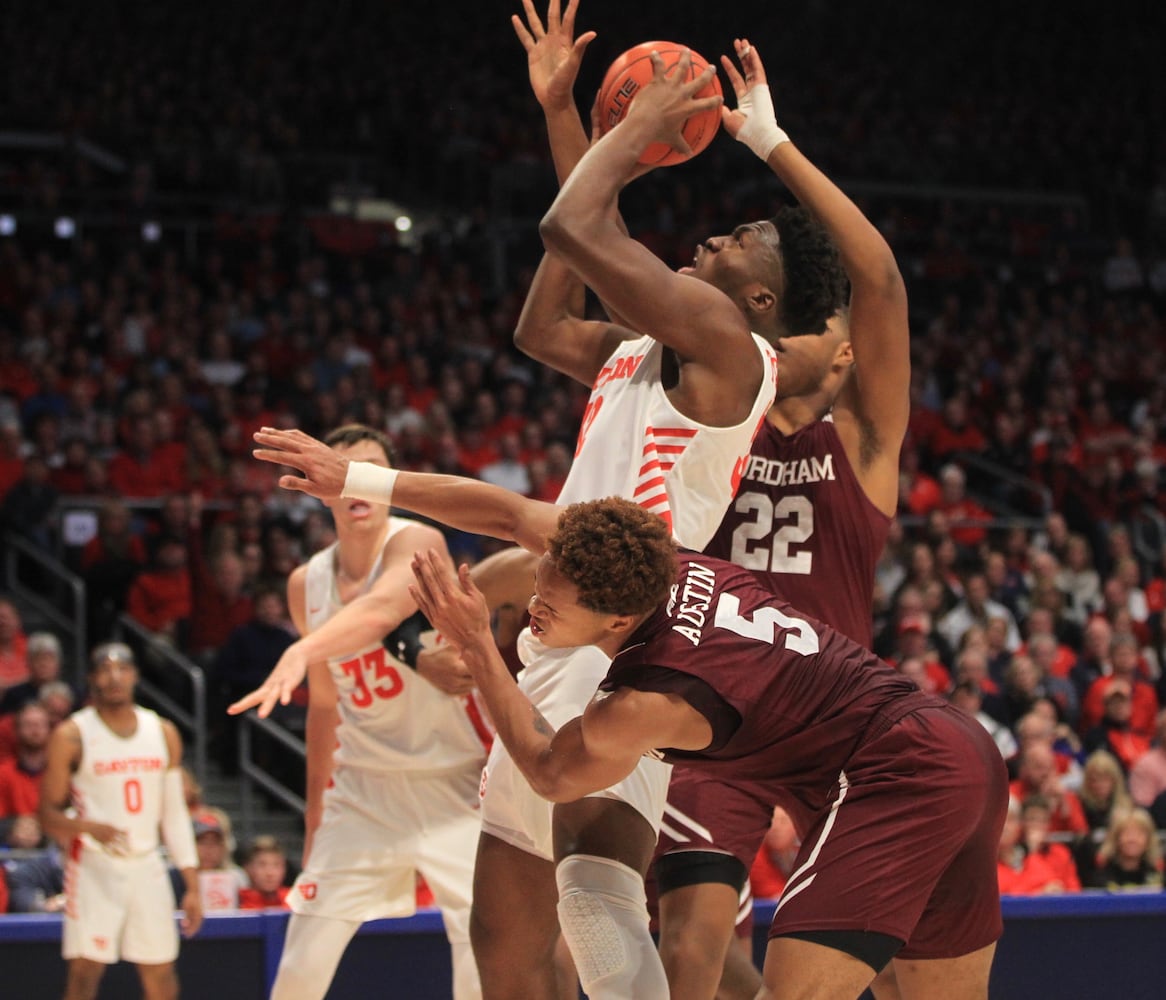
x=696, y=928
x=393, y=764
x=120, y=767
x=904, y=795
x=810, y=520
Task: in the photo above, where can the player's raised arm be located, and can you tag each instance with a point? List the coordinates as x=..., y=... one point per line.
x=877, y=394
x=701, y=321
x=551, y=328
x=465, y=504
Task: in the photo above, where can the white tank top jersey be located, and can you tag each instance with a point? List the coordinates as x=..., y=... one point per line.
x=389, y=717
x=634, y=443
x=120, y=780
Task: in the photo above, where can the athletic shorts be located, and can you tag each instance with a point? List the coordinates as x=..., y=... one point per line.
x=560, y=683
x=379, y=830
x=119, y=908
x=908, y=844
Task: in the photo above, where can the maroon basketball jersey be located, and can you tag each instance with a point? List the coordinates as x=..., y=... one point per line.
x=803, y=523
x=805, y=694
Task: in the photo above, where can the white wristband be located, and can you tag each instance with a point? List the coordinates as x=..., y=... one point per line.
x=369, y=482
x=760, y=133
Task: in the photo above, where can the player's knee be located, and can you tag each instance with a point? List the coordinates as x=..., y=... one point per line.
x=604, y=917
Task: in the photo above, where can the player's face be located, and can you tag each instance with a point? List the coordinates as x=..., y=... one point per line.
x=113, y=682
x=557, y=619
x=749, y=254
x=358, y=512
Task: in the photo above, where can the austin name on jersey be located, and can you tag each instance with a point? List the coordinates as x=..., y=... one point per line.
x=774, y=472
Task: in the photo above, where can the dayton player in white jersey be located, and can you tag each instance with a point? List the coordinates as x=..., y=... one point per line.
x=119, y=767
x=400, y=793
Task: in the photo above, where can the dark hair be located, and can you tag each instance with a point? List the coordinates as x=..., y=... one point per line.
x=351, y=434
x=816, y=286
x=621, y=558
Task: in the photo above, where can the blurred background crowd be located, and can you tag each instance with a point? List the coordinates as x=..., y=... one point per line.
x=220, y=216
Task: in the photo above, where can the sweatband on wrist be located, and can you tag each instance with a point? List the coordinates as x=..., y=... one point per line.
x=760, y=133
x=369, y=482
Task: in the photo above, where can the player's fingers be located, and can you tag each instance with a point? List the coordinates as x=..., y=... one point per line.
x=569, y=17
x=581, y=44
x=463, y=575
x=735, y=78
x=524, y=36
x=297, y=483
x=246, y=702
x=532, y=18
x=657, y=65
x=553, y=19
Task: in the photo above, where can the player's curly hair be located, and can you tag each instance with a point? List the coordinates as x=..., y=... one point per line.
x=816, y=286
x=621, y=558
x=351, y=434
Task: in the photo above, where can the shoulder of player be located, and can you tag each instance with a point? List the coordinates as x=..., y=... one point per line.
x=414, y=535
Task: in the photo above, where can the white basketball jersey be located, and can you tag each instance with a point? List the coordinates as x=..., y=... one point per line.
x=390, y=717
x=634, y=443
x=120, y=780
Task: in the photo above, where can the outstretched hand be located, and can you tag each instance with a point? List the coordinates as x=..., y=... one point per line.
x=552, y=54
x=453, y=605
x=285, y=677
x=324, y=470
x=754, y=121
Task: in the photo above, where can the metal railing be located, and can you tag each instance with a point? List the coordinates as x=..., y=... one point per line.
x=192, y=720
x=251, y=774
x=46, y=596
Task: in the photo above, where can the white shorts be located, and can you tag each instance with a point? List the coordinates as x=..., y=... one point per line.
x=560, y=683
x=119, y=908
x=378, y=831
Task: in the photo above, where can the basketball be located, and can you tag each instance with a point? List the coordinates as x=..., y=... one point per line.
x=633, y=70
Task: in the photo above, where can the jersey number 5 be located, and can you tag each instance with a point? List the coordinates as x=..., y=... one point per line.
x=796, y=510
x=799, y=635
x=384, y=683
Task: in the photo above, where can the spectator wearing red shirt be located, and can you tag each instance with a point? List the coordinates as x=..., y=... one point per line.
x=964, y=513
x=955, y=432
x=218, y=602
x=919, y=493
x=160, y=598
x=266, y=866
x=1038, y=776
x=20, y=777
x=140, y=469
x=1124, y=657
x=13, y=647
x=1114, y=731
x=1028, y=864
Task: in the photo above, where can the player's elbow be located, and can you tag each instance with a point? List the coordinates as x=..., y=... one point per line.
x=565, y=230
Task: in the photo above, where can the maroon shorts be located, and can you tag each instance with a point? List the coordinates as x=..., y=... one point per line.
x=908, y=845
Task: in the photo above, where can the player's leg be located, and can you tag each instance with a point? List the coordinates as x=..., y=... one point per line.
x=312, y=950
x=513, y=924
x=604, y=847
x=83, y=979
x=740, y=978
x=800, y=969
x=696, y=932
x=159, y=982
x=886, y=985
x=963, y=978
x=446, y=855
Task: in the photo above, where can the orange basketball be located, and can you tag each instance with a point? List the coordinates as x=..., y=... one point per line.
x=633, y=70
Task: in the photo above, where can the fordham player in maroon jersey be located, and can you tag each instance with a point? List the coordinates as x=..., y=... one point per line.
x=902, y=796
x=810, y=519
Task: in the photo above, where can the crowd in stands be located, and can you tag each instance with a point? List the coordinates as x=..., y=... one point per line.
x=1026, y=575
